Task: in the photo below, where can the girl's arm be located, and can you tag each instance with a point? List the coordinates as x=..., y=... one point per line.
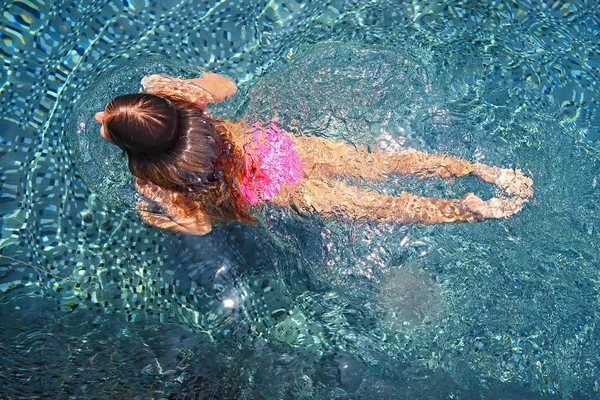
x=208, y=88
x=177, y=215
x=181, y=225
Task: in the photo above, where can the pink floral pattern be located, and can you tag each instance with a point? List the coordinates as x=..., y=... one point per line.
x=270, y=161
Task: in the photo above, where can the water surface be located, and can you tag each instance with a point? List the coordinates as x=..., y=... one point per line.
x=95, y=304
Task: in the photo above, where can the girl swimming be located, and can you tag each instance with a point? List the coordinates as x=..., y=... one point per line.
x=193, y=169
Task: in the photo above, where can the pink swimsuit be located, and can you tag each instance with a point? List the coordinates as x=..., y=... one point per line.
x=270, y=161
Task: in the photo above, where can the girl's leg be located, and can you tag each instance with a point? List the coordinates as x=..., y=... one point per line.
x=425, y=165
x=324, y=158
x=335, y=199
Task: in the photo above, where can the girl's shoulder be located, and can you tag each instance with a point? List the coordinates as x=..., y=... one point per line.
x=172, y=203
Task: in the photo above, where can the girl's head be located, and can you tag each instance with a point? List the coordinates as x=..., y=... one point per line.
x=176, y=145
x=141, y=123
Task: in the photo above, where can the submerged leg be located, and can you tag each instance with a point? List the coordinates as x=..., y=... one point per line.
x=323, y=158
x=425, y=164
x=334, y=199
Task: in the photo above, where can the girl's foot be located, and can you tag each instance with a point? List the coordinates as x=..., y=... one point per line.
x=493, y=208
x=511, y=182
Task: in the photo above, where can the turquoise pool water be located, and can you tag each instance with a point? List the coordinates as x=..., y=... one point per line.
x=96, y=305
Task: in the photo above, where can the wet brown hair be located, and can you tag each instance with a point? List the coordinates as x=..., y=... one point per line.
x=175, y=144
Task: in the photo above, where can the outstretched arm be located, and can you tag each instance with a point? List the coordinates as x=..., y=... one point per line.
x=177, y=215
x=208, y=88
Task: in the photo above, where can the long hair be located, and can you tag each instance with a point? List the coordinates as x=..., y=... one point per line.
x=175, y=144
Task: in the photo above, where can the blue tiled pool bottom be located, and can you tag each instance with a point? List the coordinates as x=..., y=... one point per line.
x=101, y=305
